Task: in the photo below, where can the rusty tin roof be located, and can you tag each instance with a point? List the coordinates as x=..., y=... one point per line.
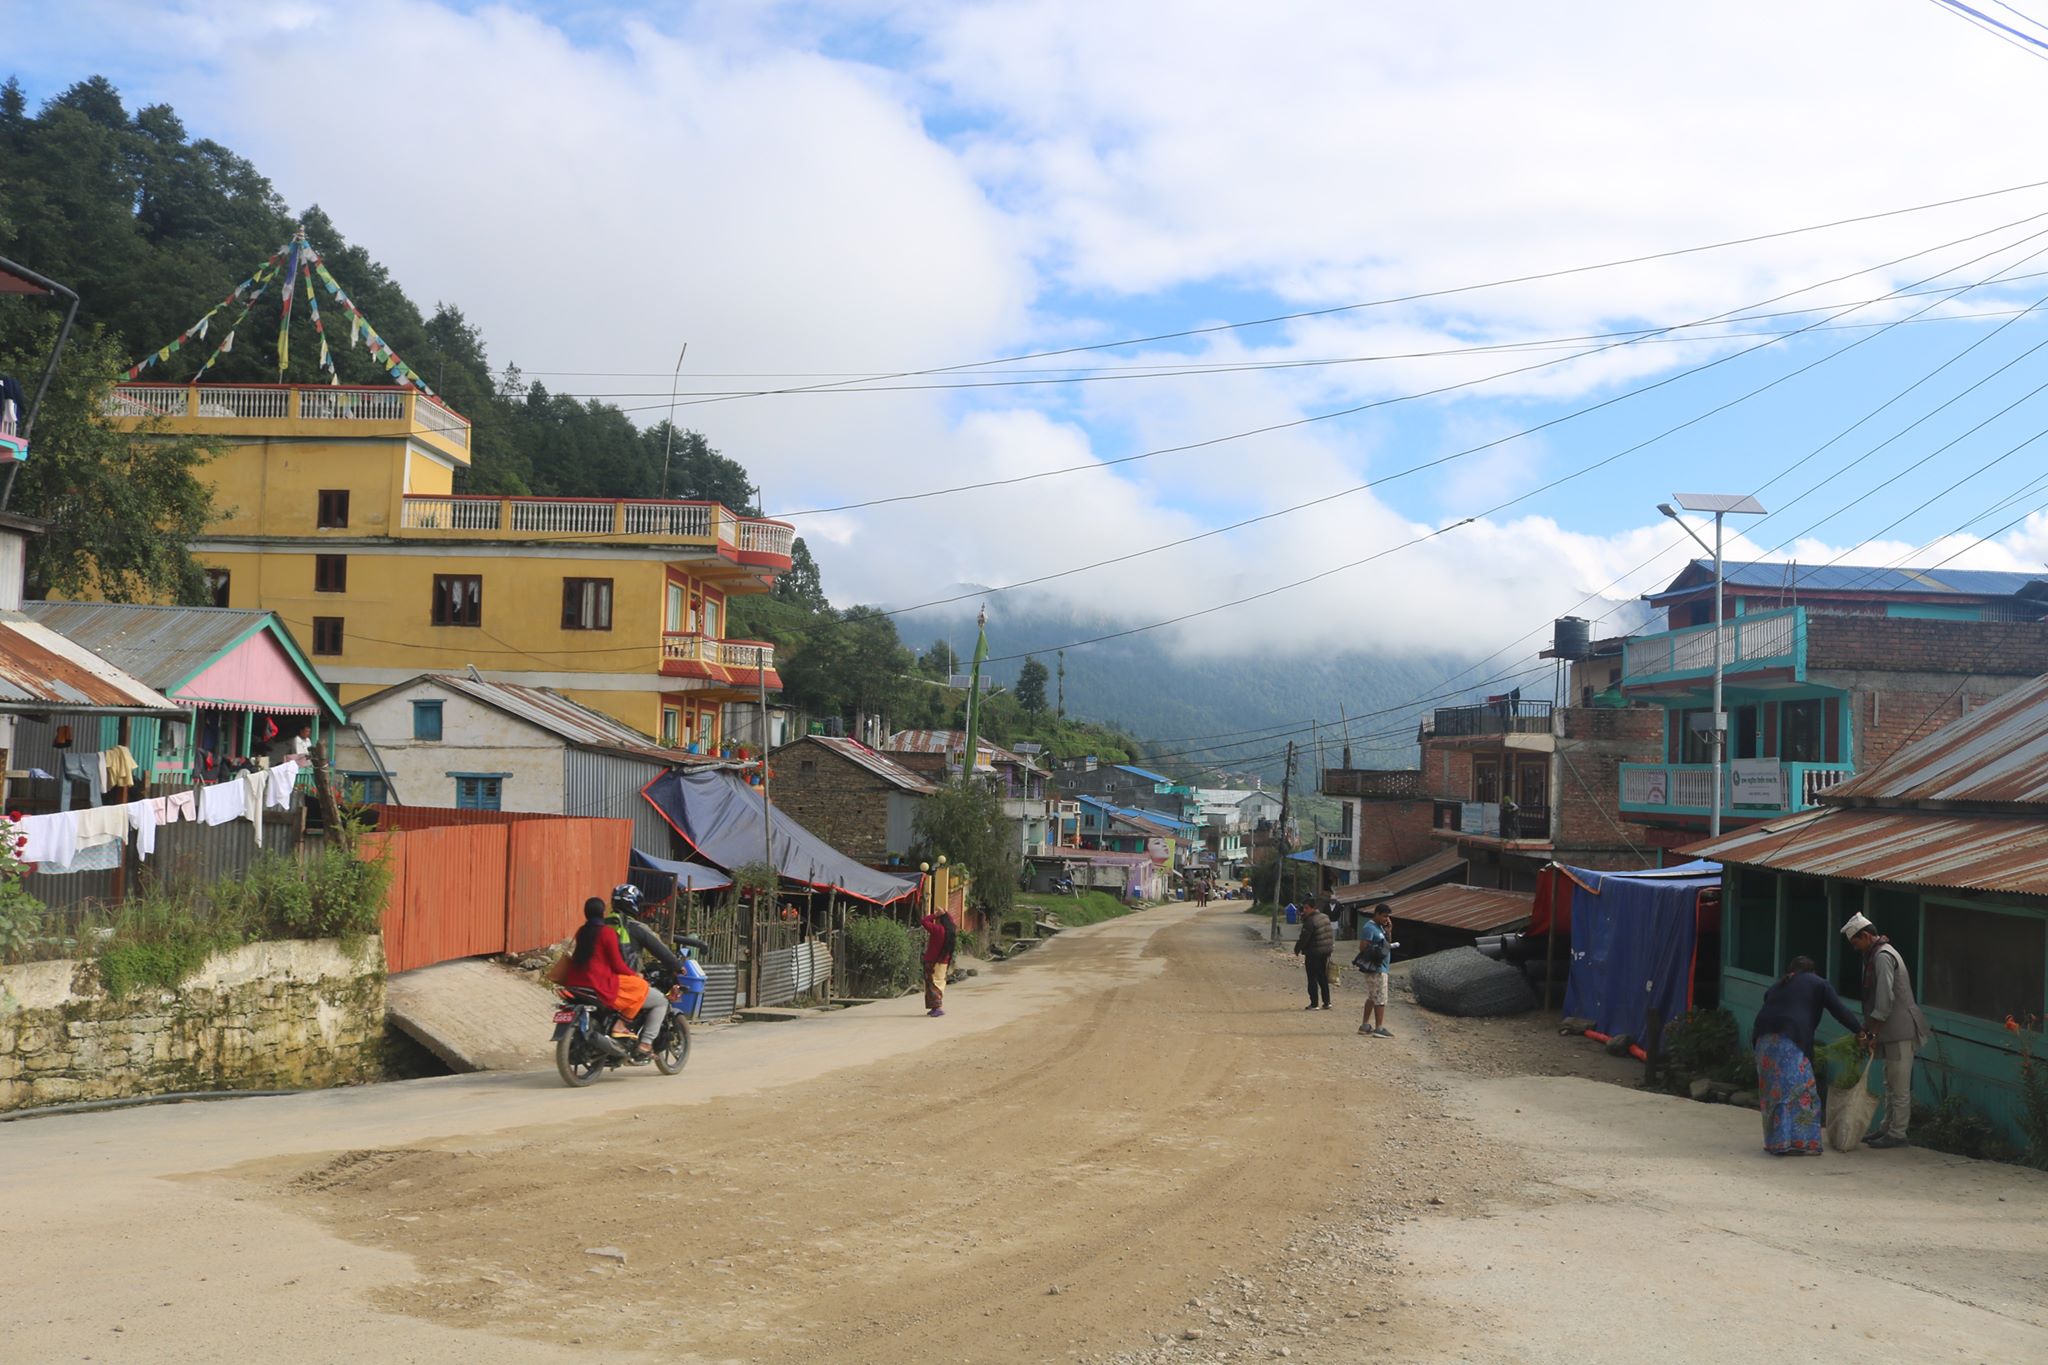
x=41, y=670
x=1909, y=847
x=1435, y=868
x=1478, y=909
x=881, y=765
x=1995, y=756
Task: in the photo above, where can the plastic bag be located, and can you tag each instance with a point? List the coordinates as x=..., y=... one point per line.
x=1849, y=1113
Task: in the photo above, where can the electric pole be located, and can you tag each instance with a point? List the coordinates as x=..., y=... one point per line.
x=1063, y=686
x=1280, y=841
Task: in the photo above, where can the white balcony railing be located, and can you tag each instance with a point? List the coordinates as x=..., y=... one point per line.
x=747, y=655
x=1745, y=641
x=349, y=405
x=284, y=402
x=1688, y=788
x=766, y=538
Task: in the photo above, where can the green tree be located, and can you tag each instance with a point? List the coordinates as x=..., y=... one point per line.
x=802, y=584
x=1031, y=681
x=965, y=822
x=123, y=509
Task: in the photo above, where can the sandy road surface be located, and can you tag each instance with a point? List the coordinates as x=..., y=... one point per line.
x=1132, y=1145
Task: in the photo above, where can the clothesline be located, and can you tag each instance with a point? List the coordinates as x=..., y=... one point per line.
x=91, y=838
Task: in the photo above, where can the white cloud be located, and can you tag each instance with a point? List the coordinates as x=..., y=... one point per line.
x=1019, y=172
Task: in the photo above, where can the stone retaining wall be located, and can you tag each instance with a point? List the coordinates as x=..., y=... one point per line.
x=278, y=1015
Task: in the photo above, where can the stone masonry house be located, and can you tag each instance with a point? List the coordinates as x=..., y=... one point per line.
x=861, y=802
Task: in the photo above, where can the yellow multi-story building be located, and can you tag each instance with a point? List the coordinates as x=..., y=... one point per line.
x=337, y=511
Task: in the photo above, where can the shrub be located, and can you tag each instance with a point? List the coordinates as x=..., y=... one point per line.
x=1706, y=1043
x=157, y=941
x=882, y=957
x=1953, y=1126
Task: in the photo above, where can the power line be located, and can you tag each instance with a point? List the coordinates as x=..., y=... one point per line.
x=1523, y=497
x=1419, y=295
x=1976, y=18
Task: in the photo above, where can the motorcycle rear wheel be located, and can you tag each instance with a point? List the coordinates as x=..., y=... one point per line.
x=674, y=1052
x=576, y=1060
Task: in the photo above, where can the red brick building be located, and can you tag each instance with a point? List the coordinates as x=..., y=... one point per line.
x=855, y=799
x=1386, y=822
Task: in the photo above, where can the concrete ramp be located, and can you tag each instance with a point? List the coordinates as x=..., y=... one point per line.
x=475, y=1015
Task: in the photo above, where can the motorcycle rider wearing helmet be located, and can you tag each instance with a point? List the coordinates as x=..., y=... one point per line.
x=627, y=920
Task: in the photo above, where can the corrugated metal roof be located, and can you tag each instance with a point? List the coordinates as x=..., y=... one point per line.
x=554, y=713
x=878, y=764
x=1770, y=574
x=165, y=647
x=1435, y=868
x=1995, y=755
x=1479, y=909
x=1147, y=774
x=41, y=669
x=951, y=742
x=1916, y=848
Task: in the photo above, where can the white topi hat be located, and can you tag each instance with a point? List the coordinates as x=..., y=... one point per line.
x=1856, y=925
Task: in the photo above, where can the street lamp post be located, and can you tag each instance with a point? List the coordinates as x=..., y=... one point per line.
x=1720, y=505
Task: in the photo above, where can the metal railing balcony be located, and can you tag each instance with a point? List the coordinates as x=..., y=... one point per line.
x=224, y=406
x=1770, y=639
x=1688, y=788
x=1504, y=717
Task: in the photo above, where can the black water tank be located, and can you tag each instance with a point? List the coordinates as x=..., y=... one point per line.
x=1572, y=638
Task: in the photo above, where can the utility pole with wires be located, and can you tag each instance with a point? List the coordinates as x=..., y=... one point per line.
x=1061, y=714
x=1280, y=842
x=668, y=446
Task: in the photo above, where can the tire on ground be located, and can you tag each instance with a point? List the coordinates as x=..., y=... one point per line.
x=1463, y=981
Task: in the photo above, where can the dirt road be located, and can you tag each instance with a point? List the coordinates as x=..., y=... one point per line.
x=1131, y=1145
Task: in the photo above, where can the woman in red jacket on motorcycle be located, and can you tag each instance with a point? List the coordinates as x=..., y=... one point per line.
x=597, y=965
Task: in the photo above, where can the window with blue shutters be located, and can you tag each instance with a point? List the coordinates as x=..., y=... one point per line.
x=426, y=720
x=479, y=791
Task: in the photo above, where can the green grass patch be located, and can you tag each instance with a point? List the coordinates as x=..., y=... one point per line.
x=1086, y=907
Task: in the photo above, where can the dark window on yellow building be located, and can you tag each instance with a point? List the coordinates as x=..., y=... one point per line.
x=458, y=599
x=586, y=604
x=330, y=573
x=217, y=587
x=333, y=509
x=327, y=635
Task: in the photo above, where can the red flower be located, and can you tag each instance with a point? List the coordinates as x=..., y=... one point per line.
x=2012, y=1025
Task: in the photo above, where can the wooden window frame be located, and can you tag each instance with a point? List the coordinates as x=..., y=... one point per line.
x=331, y=512
x=218, y=584
x=330, y=573
x=328, y=635
x=446, y=609
x=577, y=593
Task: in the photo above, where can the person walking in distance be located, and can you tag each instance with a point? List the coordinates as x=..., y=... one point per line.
x=1314, y=944
x=1375, y=954
x=939, y=942
x=1893, y=1026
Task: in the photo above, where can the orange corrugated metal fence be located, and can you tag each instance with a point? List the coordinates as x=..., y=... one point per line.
x=472, y=887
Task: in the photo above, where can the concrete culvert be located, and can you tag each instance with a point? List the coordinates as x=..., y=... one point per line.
x=1463, y=981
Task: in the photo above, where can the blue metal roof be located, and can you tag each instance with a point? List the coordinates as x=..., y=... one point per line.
x=1135, y=813
x=1763, y=574
x=1140, y=772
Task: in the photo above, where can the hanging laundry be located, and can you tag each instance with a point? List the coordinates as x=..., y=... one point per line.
x=79, y=768
x=176, y=807
x=105, y=824
x=254, y=783
x=121, y=769
x=222, y=802
x=282, y=779
x=142, y=822
x=103, y=857
x=51, y=838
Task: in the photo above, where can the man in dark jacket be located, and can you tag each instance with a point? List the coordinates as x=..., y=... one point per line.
x=1316, y=941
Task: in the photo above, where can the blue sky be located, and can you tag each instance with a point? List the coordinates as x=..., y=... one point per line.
x=861, y=189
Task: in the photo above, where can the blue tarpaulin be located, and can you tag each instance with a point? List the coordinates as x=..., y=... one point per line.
x=1635, y=936
x=689, y=876
x=719, y=817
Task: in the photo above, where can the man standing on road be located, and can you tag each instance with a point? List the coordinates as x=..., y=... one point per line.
x=1375, y=954
x=938, y=956
x=1893, y=1026
x=1316, y=941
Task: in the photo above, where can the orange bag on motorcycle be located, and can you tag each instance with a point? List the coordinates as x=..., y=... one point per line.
x=632, y=995
x=558, y=970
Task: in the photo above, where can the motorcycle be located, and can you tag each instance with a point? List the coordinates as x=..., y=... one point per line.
x=584, y=1045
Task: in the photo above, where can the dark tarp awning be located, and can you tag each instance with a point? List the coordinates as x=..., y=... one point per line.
x=1635, y=938
x=719, y=817
x=689, y=876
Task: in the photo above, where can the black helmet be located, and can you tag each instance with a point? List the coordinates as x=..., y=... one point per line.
x=626, y=899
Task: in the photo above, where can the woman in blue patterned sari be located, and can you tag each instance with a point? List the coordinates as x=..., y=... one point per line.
x=1783, y=1038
